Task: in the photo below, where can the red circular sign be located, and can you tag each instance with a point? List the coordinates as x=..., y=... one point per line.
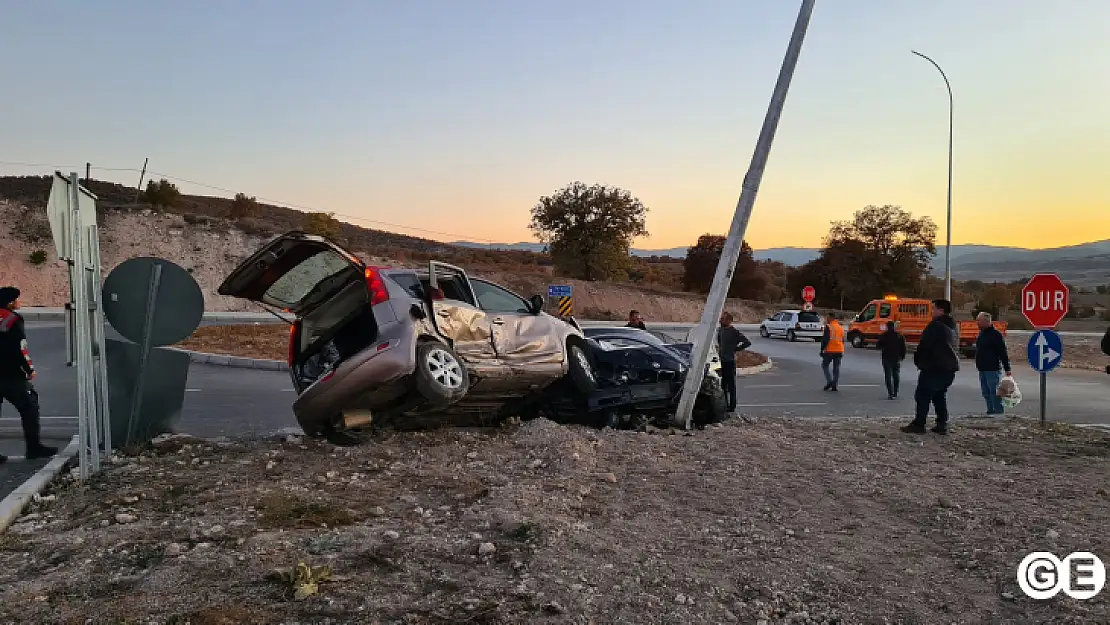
x=808, y=294
x=1044, y=300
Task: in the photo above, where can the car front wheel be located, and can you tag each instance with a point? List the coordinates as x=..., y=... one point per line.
x=857, y=341
x=441, y=377
x=790, y=336
x=763, y=332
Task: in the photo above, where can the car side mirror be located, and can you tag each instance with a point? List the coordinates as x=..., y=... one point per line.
x=536, y=301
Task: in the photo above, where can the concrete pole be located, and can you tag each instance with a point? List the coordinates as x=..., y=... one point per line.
x=703, y=334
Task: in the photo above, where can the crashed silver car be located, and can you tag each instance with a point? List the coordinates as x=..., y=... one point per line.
x=378, y=344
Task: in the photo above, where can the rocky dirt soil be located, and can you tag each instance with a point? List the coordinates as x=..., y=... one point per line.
x=210, y=251
x=777, y=522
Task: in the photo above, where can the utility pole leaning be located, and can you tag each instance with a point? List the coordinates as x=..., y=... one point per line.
x=718, y=293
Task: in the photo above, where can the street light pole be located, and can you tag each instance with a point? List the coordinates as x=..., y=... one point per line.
x=948, y=244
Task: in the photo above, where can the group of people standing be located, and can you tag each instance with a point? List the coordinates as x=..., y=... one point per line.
x=937, y=359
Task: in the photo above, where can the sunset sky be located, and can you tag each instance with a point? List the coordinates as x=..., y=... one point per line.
x=454, y=116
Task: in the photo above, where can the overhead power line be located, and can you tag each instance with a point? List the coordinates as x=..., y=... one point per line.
x=275, y=202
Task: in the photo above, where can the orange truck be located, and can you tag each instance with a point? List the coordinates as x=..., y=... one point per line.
x=911, y=315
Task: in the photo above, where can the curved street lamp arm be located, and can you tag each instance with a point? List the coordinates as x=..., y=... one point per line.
x=942, y=74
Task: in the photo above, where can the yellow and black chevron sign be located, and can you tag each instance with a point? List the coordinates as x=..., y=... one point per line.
x=566, y=306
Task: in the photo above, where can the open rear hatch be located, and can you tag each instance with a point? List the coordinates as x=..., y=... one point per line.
x=294, y=272
x=324, y=285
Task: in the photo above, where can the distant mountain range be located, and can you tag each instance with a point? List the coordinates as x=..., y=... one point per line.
x=1084, y=265
x=790, y=255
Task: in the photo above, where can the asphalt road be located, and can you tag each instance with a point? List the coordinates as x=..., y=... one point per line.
x=793, y=387
x=222, y=401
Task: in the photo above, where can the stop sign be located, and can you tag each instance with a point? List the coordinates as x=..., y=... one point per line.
x=809, y=293
x=1044, y=300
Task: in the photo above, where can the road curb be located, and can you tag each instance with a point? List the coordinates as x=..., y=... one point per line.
x=12, y=506
x=236, y=362
x=756, y=369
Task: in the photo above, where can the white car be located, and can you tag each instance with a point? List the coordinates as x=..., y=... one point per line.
x=793, y=325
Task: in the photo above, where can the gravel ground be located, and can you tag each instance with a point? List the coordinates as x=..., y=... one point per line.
x=782, y=521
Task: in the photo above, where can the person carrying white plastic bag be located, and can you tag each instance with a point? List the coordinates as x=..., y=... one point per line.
x=1008, y=392
x=993, y=363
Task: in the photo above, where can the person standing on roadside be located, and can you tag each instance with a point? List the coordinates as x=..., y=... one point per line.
x=729, y=341
x=635, y=320
x=937, y=360
x=16, y=373
x=991, y=359
x=832, y=351
x=893, y=347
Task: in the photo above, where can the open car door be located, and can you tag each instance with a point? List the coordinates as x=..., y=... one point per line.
x=457, y=317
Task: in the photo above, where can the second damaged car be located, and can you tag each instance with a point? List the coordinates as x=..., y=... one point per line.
x=379, y=344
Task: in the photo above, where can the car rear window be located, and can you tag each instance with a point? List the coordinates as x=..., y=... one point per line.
x=809, y=317
x=297, y=283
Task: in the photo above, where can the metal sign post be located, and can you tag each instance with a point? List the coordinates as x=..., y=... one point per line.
x=1045, y=352
x=722, y=279
x=72, y=213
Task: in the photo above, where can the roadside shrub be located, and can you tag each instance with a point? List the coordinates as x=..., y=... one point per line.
x=32, y=226
x=254, y=227
x=37, y=257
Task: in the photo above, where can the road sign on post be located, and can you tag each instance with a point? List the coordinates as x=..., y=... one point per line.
x=559, y=290
x=563, y=294
x=71, y=210
x=1045, y=351
x=808, y=294
x=715, y=304
x=1044, y=300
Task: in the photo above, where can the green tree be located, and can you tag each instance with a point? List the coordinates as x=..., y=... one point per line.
x=882, y=249
x=323, y=225
x=588, y=229
x=243, y=206
x=162, y=194
x=700, y=265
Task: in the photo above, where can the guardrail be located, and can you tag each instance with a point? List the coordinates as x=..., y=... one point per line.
x=58, y=314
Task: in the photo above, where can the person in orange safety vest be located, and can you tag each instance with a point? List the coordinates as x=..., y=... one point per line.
x=832, y=351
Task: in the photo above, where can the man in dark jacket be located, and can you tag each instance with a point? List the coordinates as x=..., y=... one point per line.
x=991, y=359
x=938, y=360
x=16, y=373
x=729, y=341
x=635, y=320
x=893, y=347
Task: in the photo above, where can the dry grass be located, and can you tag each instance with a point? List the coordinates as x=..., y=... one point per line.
x=787, y=521
x=268, y=341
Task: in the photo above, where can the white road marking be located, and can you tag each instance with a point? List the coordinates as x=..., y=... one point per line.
x=771, y=405
x=192, y=390
x=289, y=390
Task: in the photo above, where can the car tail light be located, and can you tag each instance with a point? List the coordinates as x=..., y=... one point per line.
x=378, y=292
x=292, y=342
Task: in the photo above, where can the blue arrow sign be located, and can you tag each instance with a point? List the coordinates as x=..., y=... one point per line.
x=558, y=290
x=1045, y=351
